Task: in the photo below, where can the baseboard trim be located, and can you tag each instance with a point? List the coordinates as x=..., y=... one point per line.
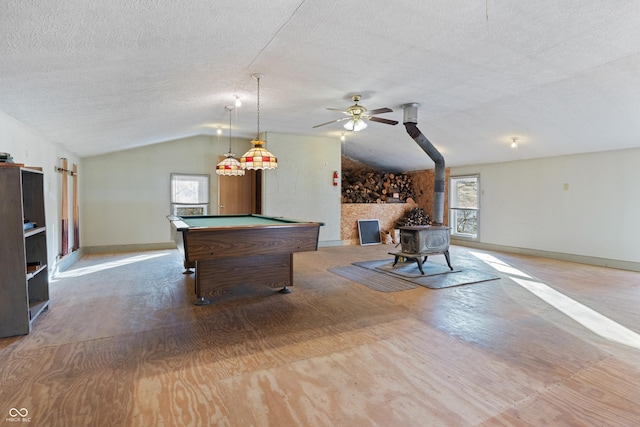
x=560, y=256
x=328, y=243
x=129, y=248
x=63, y=263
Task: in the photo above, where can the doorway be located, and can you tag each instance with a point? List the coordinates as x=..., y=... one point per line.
x=236, y=194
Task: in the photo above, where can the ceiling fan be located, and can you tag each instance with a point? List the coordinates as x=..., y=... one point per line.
x=357, y=116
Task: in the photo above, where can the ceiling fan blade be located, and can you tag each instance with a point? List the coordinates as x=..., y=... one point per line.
x=340, y=110
x=385, y=121
x=380, y=111
x=332, y=121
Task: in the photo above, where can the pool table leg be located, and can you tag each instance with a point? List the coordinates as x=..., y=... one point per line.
x=286, y=289
x=200, y=299
x=188, y=267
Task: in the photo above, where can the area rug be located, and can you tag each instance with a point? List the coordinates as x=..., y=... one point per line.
x=381, y=275
x=406, y=270
x=373, y=279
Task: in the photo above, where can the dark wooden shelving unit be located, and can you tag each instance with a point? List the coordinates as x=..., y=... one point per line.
x=24, y=291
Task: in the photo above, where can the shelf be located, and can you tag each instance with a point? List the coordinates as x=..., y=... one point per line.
x=32, y=274
x=34, y=231
x=36, y=308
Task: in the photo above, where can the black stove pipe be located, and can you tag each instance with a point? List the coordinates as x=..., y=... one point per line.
x=410, y=123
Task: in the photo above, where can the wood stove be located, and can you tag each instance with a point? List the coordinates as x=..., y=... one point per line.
x=430, y=239
x=424, y=240
x=420, y=241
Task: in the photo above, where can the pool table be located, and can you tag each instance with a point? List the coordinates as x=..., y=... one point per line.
x=228, y=250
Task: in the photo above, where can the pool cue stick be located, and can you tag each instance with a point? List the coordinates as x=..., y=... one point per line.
x=65, y=207
x=76, y=214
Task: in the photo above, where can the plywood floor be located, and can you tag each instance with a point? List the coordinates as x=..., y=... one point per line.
x=123, y=345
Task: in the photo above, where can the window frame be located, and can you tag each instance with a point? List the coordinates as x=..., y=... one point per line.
x=204, y=204
x=453, y=211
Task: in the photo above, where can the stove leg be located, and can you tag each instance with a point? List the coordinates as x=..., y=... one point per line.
x=419, y=261
x=446, y=255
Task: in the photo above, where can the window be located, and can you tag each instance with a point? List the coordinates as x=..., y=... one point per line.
x=464, y=206
x=189, y=194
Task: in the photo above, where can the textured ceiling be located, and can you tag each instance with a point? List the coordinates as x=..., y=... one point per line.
x=98, y=76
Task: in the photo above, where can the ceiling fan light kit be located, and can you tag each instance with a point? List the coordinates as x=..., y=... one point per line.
x=358, y=115
x=355, y=125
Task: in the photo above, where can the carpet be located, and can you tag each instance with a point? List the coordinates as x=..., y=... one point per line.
x=373, y=279
x=381, y=276
x=406, y=270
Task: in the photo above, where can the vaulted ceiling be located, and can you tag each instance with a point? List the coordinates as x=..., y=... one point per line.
x=100, y=76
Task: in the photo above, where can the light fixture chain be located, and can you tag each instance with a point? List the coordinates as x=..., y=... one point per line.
x=230, y=131
x=258, y=78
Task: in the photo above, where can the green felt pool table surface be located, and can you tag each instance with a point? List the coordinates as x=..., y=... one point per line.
x=234, y=221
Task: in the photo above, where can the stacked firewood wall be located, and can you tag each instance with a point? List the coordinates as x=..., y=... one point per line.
x=376, y=187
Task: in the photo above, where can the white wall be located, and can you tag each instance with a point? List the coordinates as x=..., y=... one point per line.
x=29, y=147
x=302, y=186
x=524, y=204
x=126, y=193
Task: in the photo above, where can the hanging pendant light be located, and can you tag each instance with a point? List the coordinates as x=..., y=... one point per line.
x=230, y=166
x=258, y=157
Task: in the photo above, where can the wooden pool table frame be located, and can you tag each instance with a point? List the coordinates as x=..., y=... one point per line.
x=224, y=256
